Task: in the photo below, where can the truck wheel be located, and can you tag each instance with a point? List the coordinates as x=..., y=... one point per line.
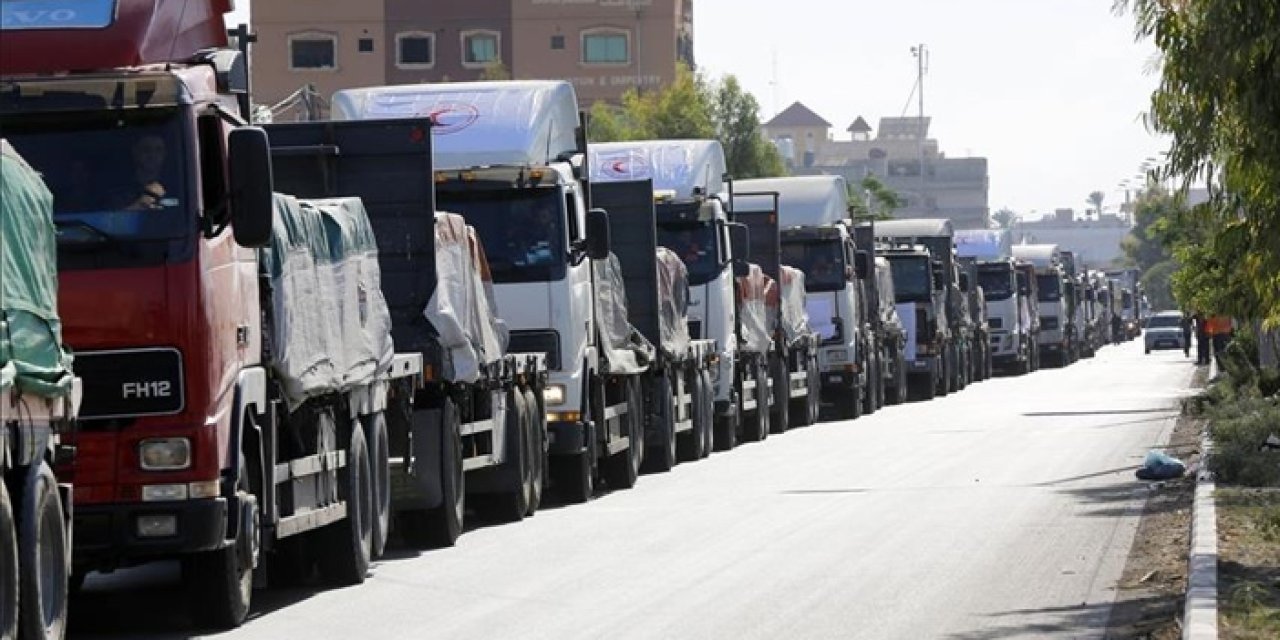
x=537, y=447
x=375, y=427
x=347, y=544
x=441, y=526
x=220, y=583
x=707, y=414
x=512, y=503
x=780, y=416
x=43, y=557
x=623, y=468
x=692, y=442
x=8, y=568
x=804, y=410
x=663, y=458
x=869, y=391
x=755, y=427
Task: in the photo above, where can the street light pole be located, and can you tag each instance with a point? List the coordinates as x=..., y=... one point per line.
x=920, y=52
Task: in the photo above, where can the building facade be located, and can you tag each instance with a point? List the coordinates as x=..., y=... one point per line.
x=900, y=155
x=603, y=46
x=1097, y=243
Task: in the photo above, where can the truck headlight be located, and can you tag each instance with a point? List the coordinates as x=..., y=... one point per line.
x=164, y=454
x=553, y=394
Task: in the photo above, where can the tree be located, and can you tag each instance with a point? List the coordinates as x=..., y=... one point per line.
x=1156, y=281
x=872, y=200
x=737, y=119
x=1095, y=198
x=1217, y=100
x=495, y=71
x=1004, y=218
x=691, y=107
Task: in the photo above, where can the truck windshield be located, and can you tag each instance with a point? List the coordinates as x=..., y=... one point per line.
x=116, y=175
x=912, y=279
x=997, y=283
x=696, y=245
x=522, y=230
x=1049, y=288
x=822, y=263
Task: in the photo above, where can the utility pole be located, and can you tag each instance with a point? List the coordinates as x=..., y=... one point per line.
x=921, y=53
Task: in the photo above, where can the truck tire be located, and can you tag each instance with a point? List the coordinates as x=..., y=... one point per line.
x=622, y=469
x=375, y=428
x=869, y=391
x=346, y=545
x=691, y=443
x=804, y=410
x=755, y=428
x=537, y=447
x=44, y=558
x=706, y=424
x=780, y=412
x=663, y=457
x=441, y=526
x=220, y=583
x=512, y=503
x=8, y=568
x=726, y=430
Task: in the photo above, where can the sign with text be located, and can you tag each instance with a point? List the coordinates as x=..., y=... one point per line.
x=17, y=15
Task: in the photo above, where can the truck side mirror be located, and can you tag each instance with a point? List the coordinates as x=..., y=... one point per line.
x=252, y=201
x=964, y=282
x=939, y=276
x=739, y=240
x=862, y=264
x=597, y=234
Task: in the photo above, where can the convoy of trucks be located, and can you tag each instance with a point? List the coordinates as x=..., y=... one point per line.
x=328, y=335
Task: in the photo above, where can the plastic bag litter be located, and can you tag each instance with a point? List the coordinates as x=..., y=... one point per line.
x=1159, y=465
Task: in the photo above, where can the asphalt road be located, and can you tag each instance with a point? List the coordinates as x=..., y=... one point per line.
x=1006, y=510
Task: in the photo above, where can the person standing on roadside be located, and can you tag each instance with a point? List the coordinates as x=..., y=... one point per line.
x=1187, y=323
x=1220, y=331
x=1202, y=339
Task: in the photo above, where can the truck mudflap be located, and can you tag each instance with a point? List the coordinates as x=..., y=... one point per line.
x=111, y=534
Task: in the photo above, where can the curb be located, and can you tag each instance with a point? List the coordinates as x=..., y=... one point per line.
x=1200, y=614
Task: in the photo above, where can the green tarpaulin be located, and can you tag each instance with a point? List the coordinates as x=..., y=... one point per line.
x=32, y=357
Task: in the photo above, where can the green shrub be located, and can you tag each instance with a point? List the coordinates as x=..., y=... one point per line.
x=1239, y=428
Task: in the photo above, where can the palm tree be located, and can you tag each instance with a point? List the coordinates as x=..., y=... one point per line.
x=1004, y=218
x=1095, y=198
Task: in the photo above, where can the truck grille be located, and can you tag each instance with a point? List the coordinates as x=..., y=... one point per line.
x=131, y=382
x=537, y=341
x=995, y=323
x=1048, y=323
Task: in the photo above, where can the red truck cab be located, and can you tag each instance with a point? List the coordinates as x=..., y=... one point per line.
x=126, y=107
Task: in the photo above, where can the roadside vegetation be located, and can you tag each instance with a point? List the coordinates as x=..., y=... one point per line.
x=1216, y=101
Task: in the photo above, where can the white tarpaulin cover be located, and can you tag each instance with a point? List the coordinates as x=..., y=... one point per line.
x=625, y=350
x=682, y=166
x=752, y=311
x=673, y=302
x=795, y=317
x=461, y=308
x=803, y=201
x=330, y=328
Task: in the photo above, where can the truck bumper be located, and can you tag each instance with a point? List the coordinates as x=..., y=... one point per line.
x=567, y=438
x=109, y=534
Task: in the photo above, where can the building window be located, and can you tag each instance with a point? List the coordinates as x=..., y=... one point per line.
x=557, y=42
x=313, y=51
x=365, y=45
x=606, y=46
x=480, y=48
x=415, y=50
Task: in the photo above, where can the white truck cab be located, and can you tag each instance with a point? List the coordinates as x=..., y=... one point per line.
x=1053, y=342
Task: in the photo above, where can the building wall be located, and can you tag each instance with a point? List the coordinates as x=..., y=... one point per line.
x=650, y=26
x=953, y=188
x=349, y=22
x=447, y=21
x=1097, y=243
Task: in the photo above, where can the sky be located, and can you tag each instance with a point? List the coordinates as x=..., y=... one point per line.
x=1051, y=92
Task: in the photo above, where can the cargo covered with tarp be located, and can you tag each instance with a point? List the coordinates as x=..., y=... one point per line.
x=33, y=358
x=330, y=329
x=462, y=309
x=754, y=332
x=793, y=314
x=673, y=302
x=624, y=348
